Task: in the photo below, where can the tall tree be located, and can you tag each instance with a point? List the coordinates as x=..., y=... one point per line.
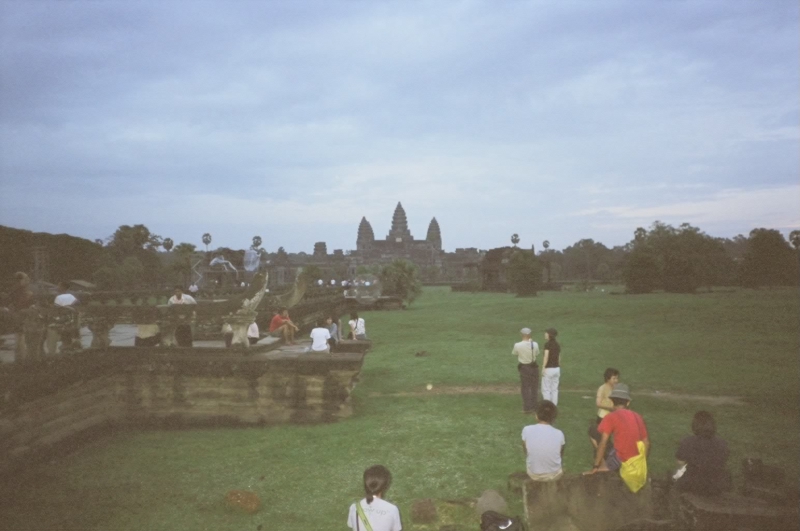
x=524, y=273
x=256, y=243
x=769, y=260
x=515, y=239
x=168, y=244
x=207, y=240
x=401, y=279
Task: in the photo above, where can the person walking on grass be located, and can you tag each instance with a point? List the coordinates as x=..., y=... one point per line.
x=631, y=442
x=551, y=366
x=604, y=405
x=526, y=352
x=544, y=445
x=373, y=513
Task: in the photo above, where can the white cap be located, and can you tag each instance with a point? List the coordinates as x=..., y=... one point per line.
x=525, y=331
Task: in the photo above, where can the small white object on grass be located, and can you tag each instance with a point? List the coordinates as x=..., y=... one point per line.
x=429, y=387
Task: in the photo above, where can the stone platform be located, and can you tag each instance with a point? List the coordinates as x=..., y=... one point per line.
x=55, y=404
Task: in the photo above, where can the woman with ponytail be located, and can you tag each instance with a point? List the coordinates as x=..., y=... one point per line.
x=373, y=513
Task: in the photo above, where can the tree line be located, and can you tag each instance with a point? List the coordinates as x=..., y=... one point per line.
x=679, y=259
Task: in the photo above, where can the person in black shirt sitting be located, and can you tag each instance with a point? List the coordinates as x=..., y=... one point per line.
x=702, y=459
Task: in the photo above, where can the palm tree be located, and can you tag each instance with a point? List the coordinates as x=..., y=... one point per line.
x=515, y=239
x=546, y=246
x=256, y=242
x=207, y=240
x=167, y=244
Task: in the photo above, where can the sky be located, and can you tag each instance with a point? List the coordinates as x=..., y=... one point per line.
x=556, y=120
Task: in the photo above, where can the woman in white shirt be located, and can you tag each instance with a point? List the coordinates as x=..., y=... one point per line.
x=358, y=328
x=380, y=514
x=319, y=338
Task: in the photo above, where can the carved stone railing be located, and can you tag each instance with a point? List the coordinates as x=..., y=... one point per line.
x=101, y=312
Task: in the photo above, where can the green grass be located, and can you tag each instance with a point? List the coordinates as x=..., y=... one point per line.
x=742, y=343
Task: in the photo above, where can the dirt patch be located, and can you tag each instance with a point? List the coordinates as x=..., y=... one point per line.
x=506, y=389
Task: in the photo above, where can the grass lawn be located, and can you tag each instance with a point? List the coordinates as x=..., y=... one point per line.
x=737, y=350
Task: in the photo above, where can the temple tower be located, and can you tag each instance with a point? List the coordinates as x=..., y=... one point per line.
x=434, y=236
x=399, y=232
x=365, y=235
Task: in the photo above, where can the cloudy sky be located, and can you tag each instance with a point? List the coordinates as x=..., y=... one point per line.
x=291, y=120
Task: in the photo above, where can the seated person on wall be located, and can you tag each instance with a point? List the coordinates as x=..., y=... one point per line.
x=227, y=334
x=319, y=338
x=701, y=459
x=252, y=333
x=183, y=332
x=147, y=335
x=358, y=328
x=282, y=325
x=334, y=327
x=631, y=442
x=604, y=406
x=544, y=445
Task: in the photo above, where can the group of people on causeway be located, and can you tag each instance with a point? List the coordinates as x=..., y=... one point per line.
x=619, y=439
x=325, y=335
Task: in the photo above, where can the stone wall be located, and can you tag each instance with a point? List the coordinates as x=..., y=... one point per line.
x=52, y=406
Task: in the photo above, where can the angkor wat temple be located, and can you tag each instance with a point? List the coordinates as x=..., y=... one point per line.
x=434, y=264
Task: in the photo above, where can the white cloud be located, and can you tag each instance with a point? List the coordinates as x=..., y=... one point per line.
x=767, y=207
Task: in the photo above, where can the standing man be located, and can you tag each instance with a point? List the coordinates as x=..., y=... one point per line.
x=526, y=352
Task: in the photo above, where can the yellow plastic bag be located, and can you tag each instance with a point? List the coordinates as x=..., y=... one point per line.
x=634, y=470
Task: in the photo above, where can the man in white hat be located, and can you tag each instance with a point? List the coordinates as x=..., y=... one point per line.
x=526, y=352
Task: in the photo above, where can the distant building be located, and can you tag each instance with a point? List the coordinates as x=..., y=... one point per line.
x=433, y=263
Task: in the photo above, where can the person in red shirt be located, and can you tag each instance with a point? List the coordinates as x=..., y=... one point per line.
x=283, y=325
x=627, y=427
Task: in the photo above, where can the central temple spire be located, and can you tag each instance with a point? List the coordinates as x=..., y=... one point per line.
x=399, y=232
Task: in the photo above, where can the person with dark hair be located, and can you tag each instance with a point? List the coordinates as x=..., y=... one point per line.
x=604, y=405
x=631, y=441
x=282, y=325
x=334, y=326
x=551, y=366
x=358, y=328
x=544, y=445
x=183, y=332
x=373, y=512
x=319, y=338
x=702, y=459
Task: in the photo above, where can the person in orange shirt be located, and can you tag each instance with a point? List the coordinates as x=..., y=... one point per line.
x=283, y=325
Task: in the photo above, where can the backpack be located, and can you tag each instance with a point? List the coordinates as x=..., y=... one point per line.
x=494, y=521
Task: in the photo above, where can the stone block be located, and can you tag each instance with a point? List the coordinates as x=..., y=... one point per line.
x=544, y=502
x=602, y=501
x=516, y=480
x=491, y=500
